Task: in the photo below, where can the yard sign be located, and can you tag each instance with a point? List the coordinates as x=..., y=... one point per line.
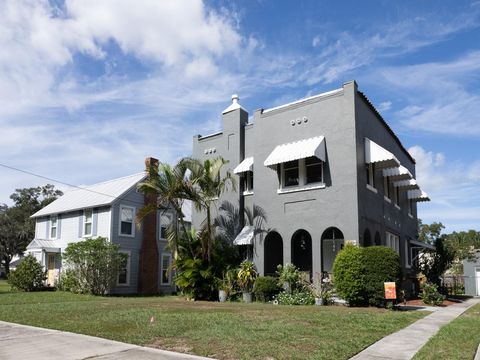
x=390, y=290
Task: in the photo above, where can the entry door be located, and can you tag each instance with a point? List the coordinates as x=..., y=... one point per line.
x=477, y=278
x=51, y=270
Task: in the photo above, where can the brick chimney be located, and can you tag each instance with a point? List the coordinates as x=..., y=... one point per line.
x=149, y=255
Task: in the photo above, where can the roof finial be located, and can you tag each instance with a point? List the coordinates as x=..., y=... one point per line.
x=235, y=98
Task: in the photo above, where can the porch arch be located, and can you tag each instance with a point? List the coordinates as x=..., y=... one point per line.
x=367, y=238
x=302, y=250
x=273, y=253
x=332, y=242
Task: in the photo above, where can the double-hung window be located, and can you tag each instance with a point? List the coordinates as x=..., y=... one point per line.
x=124, y=269
x=370, y=172
x=397, y=195
x=165, y=222
x=291, y=174
x=53, y=227
x=248, y=181
x=313, y=170
x=166, y=273
x=127, y=215
x=302, y=172
x=386, y=187
x=87, y=222
x=392, y=241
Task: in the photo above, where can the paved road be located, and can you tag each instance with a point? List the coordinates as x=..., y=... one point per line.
x=27, y=342
x=404, y=344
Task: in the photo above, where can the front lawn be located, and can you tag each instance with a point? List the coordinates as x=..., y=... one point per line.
x=223, y=331
x=457, y=340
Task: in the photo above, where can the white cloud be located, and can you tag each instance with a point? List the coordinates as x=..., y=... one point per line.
x=384, y=106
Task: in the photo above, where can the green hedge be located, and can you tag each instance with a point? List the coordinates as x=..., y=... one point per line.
x=29, y=275
x=266, y=288
x=359, y=273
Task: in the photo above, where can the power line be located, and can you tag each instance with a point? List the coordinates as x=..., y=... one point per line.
x=62, y=182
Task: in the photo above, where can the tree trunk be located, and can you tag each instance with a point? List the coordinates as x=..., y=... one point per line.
x=209, y=236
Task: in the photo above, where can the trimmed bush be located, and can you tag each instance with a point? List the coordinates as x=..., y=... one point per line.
x=265, y=288
x=29, y=275
x=349, y=275
x=431, y=296
x=382, y=264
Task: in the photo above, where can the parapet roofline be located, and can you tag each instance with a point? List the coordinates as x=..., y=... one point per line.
x=296, y=102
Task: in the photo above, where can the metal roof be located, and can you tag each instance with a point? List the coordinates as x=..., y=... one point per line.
x=43, y=244
x=96, y=195
x=297, y=150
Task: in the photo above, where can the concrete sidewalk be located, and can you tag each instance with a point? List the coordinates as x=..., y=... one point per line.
x=404, y=344
x=28, y=342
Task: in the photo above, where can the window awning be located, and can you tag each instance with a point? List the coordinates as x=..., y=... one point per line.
x=245, y=237
x=417, y=195
x=382, y=158
x=297, y=150
x=244, y=166
x=420, y=244
x=396, y=174
x=42, y=244
x=410, y=184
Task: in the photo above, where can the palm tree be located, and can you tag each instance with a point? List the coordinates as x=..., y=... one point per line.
x=171, y=187
x=205, y=178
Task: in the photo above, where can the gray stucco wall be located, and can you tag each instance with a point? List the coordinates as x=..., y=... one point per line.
x=471, y=270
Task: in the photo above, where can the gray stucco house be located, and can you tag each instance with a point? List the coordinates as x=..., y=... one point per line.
x=108, y=210
x=327, y=170
x=471, y=271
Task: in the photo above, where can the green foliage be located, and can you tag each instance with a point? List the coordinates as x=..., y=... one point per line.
x=247, y=273
x=297, y=297
x=67, y=281
x=94, y=264
x=229, y=283
x=428, y=233
x=382, y=264
x=434, y=263
x=266, y=288
x=349, y=275
x=430, y=295
x=17, y=228
x=29, y=275
x=196, y=279
x=322, y=288
x=290, y=277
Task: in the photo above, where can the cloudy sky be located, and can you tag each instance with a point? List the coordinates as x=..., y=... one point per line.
x=89, y=88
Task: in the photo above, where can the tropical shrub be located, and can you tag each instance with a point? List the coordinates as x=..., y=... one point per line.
x=29, y=275
x=382, y=264
x=94, y=265
x=322, y=288
x=289, y=277
x=229, y=283
x=246, y=276
x=297, y=297
x=196, y=279
x=67, y=281
x=349, y=275
x=431, y=296
x=266, y=288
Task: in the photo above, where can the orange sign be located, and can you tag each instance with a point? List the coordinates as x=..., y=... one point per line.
x=390, y=290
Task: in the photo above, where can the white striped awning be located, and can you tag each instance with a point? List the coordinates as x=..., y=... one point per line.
x=382, y=158
x=244, y=166
x=417, y=195
x=297, y=150
x=396, y=174
x=245, y=237
x=410, y=184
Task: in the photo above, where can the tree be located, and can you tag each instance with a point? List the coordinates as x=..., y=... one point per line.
x=209, y=184
x=94, y=264
x=428, y=233
x=17, y=229
x=29, y=275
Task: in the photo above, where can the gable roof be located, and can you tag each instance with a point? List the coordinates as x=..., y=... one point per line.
x=100, y=194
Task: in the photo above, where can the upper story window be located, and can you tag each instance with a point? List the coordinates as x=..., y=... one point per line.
x=314, y=170
x=53, y=227
x=397, y=195
x=248, y=181
x=165, y=221
x=127, y=214
x=291, y=173
x=386, y=187
x=370, y=172
x=87, y=222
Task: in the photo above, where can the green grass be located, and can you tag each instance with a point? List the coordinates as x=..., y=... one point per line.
x=456, y=340
x=223, y=331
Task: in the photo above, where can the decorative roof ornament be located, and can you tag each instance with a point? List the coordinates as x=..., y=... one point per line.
x=235, y=104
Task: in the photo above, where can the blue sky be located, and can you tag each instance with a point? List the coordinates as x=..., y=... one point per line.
x=88, y=89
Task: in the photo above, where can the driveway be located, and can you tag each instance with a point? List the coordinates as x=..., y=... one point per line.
x=28, y=342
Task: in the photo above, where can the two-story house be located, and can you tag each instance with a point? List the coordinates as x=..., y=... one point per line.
x=108, y=209
x=327, y=170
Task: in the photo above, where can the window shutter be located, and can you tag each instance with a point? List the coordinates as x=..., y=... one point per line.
x=80, y=223
x=47, y=229
x=59, y=226
x=94, y=221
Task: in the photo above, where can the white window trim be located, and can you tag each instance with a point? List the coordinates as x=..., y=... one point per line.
x=161, y=269
x=371, y=188
x=389, y=236
x=85, y=222
x=128, y=268
x=166, y=214
x=120, y=220
x=53, y=227
x=302, y=179
x=397, y=207
x=388, y=200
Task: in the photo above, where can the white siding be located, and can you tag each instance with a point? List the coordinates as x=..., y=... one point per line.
x=103, y=223
x=41, y=228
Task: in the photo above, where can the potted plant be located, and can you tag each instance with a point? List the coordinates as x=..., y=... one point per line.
x=289, y=277
x=226, y=285
x=246, y=279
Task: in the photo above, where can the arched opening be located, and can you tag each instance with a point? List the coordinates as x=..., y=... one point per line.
x=302, y=251
x=332, y=243
x=378, y=239
x=367, y=238
x=273, y=253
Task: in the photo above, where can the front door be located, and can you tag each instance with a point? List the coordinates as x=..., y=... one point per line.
x=51, y=270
